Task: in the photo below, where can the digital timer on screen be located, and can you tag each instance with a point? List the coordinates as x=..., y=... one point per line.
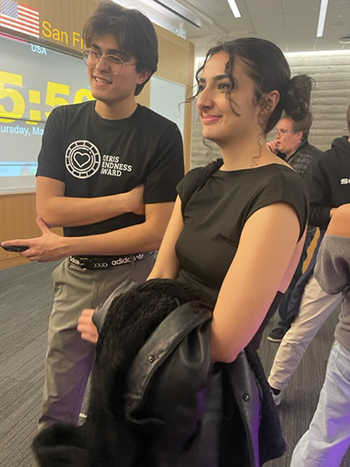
x=33, y=80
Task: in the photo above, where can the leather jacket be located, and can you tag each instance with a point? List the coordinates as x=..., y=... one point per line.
x=166, y=385
x=156, y=400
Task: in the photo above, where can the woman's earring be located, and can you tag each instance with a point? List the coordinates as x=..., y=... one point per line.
x=265, y=112
x=265, y=106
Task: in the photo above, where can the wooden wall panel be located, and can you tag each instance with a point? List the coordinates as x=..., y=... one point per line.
x=174, y=53
x=79, y=12
x=176, y=63
x=55, y=22
x=189, y=108
x=144, y=97
x=17, y=220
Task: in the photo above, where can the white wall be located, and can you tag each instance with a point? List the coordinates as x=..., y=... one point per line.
x=331, y=95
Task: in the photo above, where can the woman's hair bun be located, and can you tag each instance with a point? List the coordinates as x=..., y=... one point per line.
x=297, y=101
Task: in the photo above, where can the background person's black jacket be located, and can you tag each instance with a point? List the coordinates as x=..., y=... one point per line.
x=328, y=180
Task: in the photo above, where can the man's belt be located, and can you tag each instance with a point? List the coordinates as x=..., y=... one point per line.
x=107, y=262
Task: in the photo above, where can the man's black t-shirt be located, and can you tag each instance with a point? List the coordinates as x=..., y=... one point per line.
x=98, y=157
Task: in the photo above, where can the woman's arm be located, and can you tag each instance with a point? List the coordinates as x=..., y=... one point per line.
x=167, y=265
x=265, y=261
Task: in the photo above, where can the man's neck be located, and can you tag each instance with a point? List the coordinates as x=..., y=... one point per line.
x=116, y=111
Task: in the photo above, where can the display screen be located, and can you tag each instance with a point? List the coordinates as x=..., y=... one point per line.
x=33, y=80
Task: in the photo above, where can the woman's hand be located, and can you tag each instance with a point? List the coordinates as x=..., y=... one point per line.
x=86, y=327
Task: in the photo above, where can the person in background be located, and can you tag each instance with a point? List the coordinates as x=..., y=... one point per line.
x=328, y=188
x=291, y=143
x=107, y=173
x=328, y=437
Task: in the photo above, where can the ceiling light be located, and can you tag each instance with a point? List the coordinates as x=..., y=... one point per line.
x=310, y=53
x=322, y=17
x=193, y=17
x=234, y=8
x=345, y=40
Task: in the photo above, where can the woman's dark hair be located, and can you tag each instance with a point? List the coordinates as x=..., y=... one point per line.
x=268, y=68
x=133, y=31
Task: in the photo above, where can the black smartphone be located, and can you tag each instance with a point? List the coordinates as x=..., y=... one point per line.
x=15, y=248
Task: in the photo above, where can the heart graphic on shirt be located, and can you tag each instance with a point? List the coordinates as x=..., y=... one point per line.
x=81, y=159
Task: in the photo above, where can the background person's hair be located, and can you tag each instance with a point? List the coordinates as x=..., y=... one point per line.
x=302, y=125
x=133, y=31
x=268, y=68
x=348, y=118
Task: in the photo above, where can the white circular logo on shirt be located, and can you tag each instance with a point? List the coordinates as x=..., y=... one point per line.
x=83, y=159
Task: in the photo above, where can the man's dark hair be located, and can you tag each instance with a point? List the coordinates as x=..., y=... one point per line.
x=348, y=118
x=133, y=31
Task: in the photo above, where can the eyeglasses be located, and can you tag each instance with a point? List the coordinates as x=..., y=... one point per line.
x=115, y=63
x=282, y=131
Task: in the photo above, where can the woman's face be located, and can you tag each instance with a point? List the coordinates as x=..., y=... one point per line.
x=226, y=121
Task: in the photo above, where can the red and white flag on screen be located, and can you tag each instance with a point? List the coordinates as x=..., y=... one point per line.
x=19, y=17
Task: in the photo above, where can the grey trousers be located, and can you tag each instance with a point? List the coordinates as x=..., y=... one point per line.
x=69, y=359
x=316, y=305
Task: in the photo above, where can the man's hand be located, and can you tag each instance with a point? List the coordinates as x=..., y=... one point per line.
x=272, y=145
x=48, y=247
x=86, y=327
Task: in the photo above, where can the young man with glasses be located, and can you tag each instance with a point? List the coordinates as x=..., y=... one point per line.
x=291, y=143
x=107, y=174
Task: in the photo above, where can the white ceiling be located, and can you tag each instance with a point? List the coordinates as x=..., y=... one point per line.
x=291, y=24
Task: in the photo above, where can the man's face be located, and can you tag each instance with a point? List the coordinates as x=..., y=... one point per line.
x=108, y=88
x=286, y=138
